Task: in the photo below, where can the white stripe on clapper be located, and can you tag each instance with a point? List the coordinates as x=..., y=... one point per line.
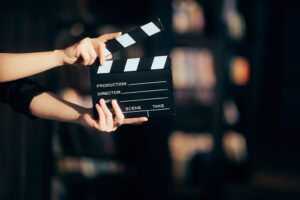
x=159, y=62
x=131, y=64
x=105, y=68
x=150, y=29
x=125, y=40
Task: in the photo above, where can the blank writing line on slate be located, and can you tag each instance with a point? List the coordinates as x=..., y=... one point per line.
x=158, y=90
x=146, y=83
x=144, y=99
x=147, y=110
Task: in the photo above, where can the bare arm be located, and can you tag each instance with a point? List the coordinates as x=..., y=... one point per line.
x=19, y=65
x=49, y=106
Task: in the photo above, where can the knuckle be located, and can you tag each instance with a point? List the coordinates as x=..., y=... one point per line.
x=80, y=45
x=86, y=39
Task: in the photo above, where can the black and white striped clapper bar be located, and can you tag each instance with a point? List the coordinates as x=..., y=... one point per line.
x=133, y=37
x=142, y=86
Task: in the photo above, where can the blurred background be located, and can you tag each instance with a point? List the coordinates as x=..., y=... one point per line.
x=235, y=134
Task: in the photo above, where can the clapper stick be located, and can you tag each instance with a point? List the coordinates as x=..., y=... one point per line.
x=133, y=37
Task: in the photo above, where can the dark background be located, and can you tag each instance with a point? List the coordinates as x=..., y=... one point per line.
x=270, y=105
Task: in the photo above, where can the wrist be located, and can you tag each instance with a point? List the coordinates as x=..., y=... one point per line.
x=81, y=117
x=59, y=57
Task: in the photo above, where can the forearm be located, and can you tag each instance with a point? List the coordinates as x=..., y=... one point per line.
x=19, y=65
x=49, y=106
x=15, y=66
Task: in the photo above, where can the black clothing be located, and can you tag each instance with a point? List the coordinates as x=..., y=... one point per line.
x=18, y=94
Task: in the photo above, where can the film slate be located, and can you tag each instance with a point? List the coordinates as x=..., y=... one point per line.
x=142, y=86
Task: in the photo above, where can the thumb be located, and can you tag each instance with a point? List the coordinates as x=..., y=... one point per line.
x=89, y=121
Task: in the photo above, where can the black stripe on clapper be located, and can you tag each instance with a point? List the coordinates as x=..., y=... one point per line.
x=113, y=46
x=168, y=63
x=94, y=67
x=138, y=34
x=145, y=64
x=118, y=66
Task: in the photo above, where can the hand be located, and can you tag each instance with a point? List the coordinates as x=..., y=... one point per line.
x=106, y=122
x=88, y=49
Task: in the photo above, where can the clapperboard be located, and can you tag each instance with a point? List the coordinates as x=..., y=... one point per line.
x=142, y=86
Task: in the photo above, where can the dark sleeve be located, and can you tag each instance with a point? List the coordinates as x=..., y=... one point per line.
x=18, y=94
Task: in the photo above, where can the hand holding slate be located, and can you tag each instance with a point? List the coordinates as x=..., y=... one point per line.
x=106, y=122
x=15, y=66
x=88, y=49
